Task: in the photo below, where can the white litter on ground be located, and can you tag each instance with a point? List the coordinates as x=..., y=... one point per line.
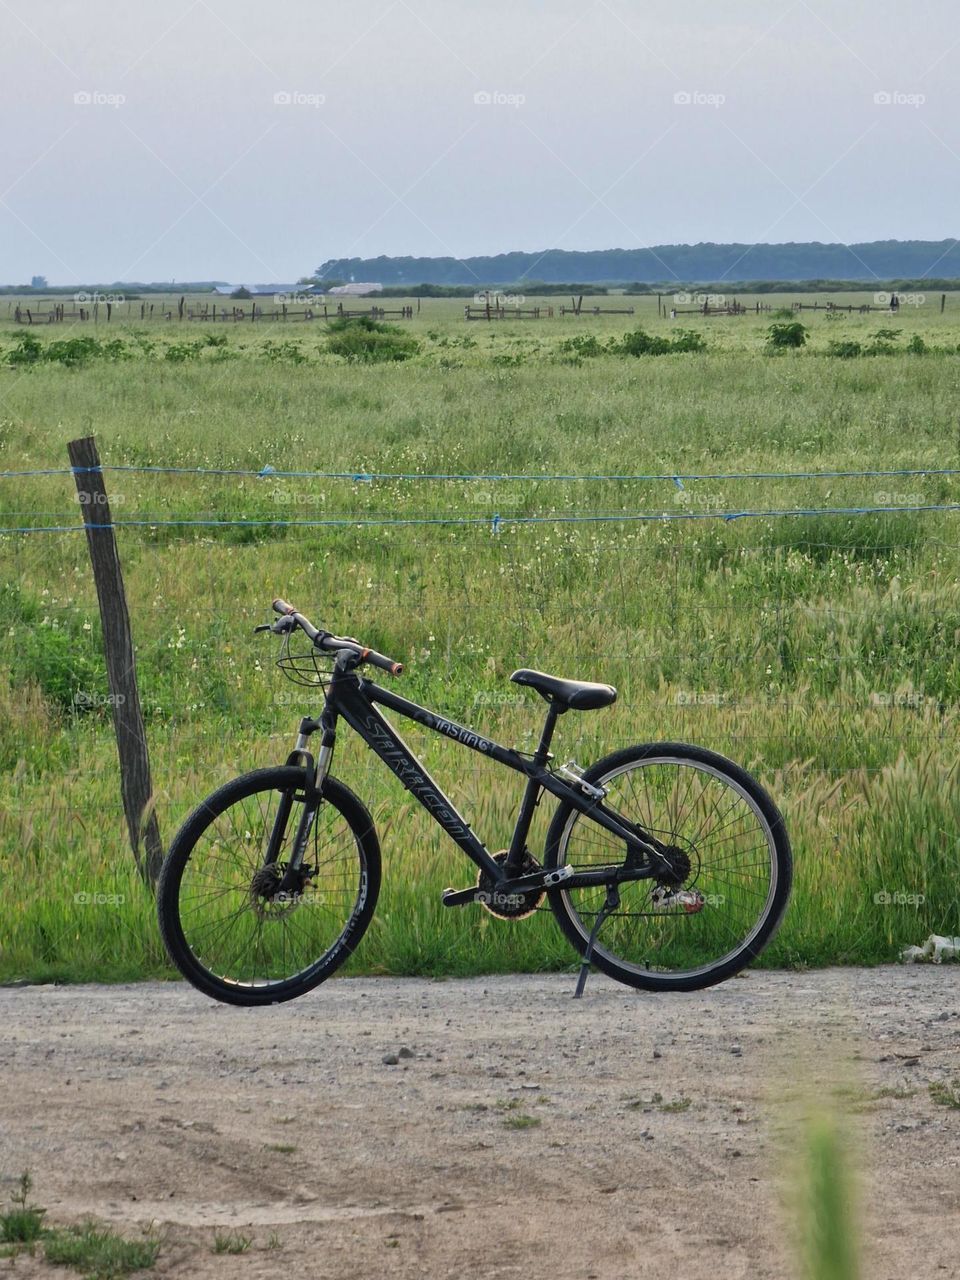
x=935, y=948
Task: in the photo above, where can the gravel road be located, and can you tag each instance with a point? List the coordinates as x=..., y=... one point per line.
x=488, y=1128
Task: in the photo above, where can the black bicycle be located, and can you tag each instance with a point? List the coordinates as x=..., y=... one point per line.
x=678, y=855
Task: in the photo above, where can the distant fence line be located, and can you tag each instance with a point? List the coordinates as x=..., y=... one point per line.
x=209, y=312
x=491, y=308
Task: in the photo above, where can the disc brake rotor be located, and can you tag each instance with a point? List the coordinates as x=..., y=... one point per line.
x=268, y=900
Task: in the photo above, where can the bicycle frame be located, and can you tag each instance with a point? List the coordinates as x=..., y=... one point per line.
x=355, y=699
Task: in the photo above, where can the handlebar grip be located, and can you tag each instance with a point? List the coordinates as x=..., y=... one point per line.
x=324, y=640
x=385, y=664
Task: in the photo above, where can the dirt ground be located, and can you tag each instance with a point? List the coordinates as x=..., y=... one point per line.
x=487, y=1128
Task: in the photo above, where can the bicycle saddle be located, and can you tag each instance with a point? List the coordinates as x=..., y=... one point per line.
x=574, y=695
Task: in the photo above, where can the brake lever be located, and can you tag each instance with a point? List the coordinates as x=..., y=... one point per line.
x=279, y=628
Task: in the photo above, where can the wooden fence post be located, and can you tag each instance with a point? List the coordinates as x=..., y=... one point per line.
x=135, y=785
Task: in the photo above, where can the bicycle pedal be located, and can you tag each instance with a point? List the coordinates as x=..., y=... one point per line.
x=558, y=876
x=459, y=897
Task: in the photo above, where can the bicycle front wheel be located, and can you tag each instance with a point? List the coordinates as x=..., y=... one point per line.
x=728, y=842
x=227, y=925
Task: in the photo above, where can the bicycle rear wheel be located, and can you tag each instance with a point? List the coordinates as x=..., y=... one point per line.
x=729, y=843
x=228, y=928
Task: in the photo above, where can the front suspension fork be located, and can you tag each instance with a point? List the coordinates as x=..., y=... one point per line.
x=316, y=776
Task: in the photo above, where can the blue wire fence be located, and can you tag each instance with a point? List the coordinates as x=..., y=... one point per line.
x=495, y=521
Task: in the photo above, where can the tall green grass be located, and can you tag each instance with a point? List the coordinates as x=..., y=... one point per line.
x=820, y=652
x=829, y=1230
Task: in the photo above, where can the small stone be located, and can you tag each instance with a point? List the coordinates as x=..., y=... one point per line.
x=657, y=1054
x=736, y=1050
x=390, y=1060
x=404, y=1052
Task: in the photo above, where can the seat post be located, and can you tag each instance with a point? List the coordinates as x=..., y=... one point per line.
x=554, y=710
x=531, y=796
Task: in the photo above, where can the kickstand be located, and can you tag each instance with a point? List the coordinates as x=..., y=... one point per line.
x=611, y=904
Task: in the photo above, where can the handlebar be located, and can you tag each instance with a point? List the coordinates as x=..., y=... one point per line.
x=332, y=643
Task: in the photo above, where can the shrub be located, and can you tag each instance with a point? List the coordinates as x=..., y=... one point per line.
x=283, y=352
x=69, y=351
x=782, y=336
x=641, y=343
x=884, y=342
x=844, y=350
x=362, y=339
x=29, y=350
x=177, y=352
x=689, y=340
x=586, y=344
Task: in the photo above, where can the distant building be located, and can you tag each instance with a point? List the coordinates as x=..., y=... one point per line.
x=354, y=289
x=263, y=290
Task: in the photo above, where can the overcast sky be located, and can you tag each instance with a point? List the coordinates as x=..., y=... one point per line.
x=249, y=141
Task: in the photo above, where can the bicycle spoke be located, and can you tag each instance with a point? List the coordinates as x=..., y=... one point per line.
x=229, y=920
x=695, y=812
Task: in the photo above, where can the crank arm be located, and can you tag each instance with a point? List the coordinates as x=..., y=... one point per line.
x=552, y=879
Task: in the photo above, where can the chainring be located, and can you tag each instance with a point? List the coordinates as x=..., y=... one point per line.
x=509, y=906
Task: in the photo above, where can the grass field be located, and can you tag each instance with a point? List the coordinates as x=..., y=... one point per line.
x=820, y=651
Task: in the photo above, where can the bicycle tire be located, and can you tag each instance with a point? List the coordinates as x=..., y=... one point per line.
x=656, y=961
x=190, y=854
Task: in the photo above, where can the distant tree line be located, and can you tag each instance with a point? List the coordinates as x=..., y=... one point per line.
x=668, y=265
x=540, y=289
